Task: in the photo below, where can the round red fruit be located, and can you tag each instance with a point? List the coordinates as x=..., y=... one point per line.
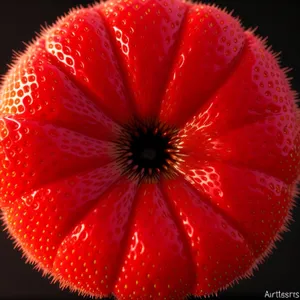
x=149, y=150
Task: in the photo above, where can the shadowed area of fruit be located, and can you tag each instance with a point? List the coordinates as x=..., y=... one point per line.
x=149, y=149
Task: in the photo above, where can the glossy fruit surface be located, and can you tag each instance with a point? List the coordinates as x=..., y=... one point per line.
x=149, y=149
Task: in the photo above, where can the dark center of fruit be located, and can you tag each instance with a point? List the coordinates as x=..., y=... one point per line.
x=148, y=150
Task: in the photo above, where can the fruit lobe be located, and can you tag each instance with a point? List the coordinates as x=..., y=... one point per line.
x=64, y=106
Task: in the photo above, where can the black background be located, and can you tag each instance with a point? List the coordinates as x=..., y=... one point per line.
x=279, y=20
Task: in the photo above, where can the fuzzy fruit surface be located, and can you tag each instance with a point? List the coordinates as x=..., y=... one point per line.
x=149, y=150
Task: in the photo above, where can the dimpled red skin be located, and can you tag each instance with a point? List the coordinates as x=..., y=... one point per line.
x=63, y=197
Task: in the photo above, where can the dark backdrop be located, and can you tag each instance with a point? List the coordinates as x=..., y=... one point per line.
x=279, y=20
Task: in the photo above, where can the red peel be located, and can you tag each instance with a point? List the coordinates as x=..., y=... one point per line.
x=194, y=216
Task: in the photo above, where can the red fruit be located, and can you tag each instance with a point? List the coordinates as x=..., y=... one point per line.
x=149, y=149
